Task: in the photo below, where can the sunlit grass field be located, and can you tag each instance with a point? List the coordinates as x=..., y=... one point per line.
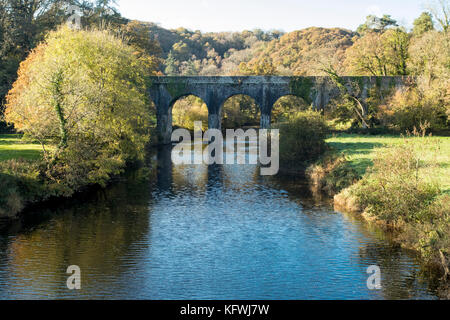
x=360, y=150
x=13, y=147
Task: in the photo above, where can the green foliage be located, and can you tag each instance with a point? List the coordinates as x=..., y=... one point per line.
x=23, y=24
x=395, y=191
x=287, y=107
x=239, y=111
x=188, y=110
x=83, y=92
x=332, y=174
x=20, y=184
x=423, y=24
x=410, y=108
x=376, y=24
x=303, y=88
x=379, y=54
x=404, y=190
x=302, y=138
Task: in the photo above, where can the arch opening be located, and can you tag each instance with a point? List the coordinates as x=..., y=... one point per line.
x=240, y=111
x=188, y=109
x=286, y=106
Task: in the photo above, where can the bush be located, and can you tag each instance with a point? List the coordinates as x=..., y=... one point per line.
x=410, y=108
x=19, y=183
x=82, y=95
x=332, y=174
x=395, y=191
x=302, y=138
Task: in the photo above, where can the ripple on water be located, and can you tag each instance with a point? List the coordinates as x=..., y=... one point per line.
x=198, y=232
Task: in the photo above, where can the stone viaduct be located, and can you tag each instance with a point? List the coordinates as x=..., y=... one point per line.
x=265, y=90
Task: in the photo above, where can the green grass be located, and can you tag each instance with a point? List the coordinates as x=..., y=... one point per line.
x=360, y=151
x=13, y=147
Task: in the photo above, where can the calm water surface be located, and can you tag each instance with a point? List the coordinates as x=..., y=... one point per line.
x=199, y=232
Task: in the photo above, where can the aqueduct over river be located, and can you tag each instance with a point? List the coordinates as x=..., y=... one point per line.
x=265, y=90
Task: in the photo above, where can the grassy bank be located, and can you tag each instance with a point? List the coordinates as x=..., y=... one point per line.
x=13, y=147
x=400, y=183
x=361, y=150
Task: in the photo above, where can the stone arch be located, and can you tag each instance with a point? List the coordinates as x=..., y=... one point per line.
x=179, y=100
x=244, y=98
x=164, y=106
x=288, y=101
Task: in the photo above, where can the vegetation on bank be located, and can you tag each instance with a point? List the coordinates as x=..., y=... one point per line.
x=302, y=140
x=407, y=190
x=82, y=96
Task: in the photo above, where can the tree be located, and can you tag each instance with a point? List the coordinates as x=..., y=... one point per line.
x=423, y=24
x=376, y=24
x=350, y=106
x=82, y=95
x=24, y=23
x=396, y=43
x=303, y=52
x=263, y=67
x=379, y=54
x=171, y=65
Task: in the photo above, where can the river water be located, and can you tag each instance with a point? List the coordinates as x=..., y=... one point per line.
x=202, y=232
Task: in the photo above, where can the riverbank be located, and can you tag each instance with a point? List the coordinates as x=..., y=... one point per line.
x=22, y=184
x=399, y=183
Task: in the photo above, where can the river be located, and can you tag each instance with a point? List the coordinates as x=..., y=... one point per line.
x=202, y=232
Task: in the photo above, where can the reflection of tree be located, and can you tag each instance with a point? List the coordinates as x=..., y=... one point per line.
x=95, y=235
x=164, y=168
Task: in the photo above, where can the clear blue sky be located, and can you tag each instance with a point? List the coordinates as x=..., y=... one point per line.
x=287, y=15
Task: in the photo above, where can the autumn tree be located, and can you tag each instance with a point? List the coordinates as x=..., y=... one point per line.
x=24, y=23
x=82, y=95
x=379, y=54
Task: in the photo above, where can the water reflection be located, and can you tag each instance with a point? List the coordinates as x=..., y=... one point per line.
x=202, y=232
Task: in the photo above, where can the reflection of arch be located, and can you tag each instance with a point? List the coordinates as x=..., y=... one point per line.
x=287, y=104
x=247, y=114
x=186, y=120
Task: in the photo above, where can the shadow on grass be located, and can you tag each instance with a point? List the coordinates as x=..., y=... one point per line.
x=355, y=149
x=20, y=154
x=9, y=139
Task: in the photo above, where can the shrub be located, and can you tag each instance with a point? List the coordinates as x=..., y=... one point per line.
x=302, y=138
x=395, y=191
x=19, y=182
x=188, y=110
x=332, y=174
x=410, y=108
